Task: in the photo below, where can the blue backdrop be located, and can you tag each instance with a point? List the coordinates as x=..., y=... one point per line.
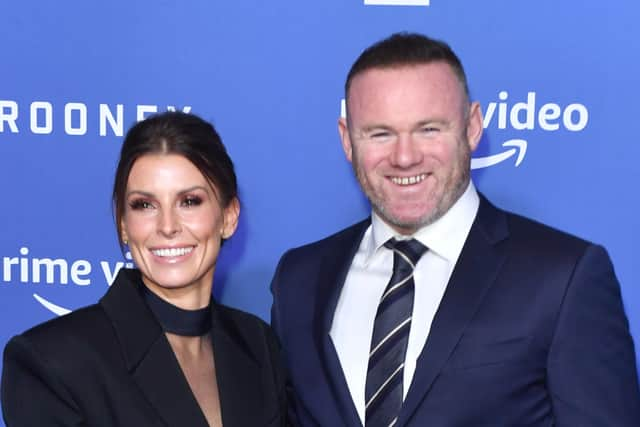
x=558, y=83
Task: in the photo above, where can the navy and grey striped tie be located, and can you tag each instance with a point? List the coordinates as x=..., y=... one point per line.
x=383, y=391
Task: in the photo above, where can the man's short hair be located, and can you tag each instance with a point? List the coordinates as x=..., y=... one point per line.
x=402, y=49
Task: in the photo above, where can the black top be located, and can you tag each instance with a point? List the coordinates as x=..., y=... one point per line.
x=110, y=364
x=176, y=320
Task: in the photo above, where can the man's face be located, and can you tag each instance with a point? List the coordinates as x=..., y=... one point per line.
x=409, y=136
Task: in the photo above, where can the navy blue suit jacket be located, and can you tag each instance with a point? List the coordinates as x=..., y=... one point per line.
x=531, y=331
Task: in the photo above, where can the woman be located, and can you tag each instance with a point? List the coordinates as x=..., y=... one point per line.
x=156, y=350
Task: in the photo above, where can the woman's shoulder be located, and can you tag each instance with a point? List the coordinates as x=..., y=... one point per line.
x=229, y=316
x=67, y=335
x=82, y=321
x=244, y=327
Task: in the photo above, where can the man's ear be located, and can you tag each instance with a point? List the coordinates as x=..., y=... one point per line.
x=343, y=129
x=474, y=126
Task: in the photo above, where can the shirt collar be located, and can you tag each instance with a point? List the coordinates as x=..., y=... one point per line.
x=445, y=237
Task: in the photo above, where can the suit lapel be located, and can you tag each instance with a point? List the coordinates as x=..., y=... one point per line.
x=165, y=386
x=476, y=269
x=333, y=272
x=148, y=355
x=238, y=375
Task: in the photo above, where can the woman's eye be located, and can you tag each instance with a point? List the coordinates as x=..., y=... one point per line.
x=192, y=201
x=140, y=205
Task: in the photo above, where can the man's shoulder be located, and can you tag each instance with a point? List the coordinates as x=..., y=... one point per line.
x=532, y=228
x=533, y=233
x=306, y=259
x=347, y=236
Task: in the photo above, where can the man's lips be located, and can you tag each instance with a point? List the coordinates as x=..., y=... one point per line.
x=408, y=180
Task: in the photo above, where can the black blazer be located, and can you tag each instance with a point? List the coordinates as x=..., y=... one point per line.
x=531, y=331
x=110, y=364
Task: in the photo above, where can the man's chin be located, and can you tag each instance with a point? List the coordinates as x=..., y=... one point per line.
x=406, y=224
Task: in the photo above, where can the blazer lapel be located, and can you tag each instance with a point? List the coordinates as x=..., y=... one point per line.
x=148, y=355
x=476, y=269
x=238, y=375
x=334, y=269
x=165, y=386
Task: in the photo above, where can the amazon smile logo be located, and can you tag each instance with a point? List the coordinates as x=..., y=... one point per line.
x=520, y=148
x=522, y=116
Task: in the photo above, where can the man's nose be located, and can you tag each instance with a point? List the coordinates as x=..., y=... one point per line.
x=406, y=151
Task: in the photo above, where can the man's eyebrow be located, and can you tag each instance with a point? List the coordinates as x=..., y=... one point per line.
x=370, y=128
x=434, y=121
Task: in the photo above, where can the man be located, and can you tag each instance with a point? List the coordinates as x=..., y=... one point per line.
x=471, y=316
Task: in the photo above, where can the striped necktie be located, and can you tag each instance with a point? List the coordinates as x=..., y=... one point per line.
x=383, y=391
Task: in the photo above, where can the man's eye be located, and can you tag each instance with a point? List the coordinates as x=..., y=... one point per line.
x=429, y=129
x=192, y=201
x=380, y=135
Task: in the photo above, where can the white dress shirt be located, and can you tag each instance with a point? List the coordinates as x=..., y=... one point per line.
x=368, y=276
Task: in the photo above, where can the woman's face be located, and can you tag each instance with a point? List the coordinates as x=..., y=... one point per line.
x=174, y=225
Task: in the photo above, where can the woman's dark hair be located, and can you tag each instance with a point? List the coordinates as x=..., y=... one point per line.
x=178, y=133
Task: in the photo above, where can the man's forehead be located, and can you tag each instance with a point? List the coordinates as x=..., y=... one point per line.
x=405, y=95
x=437, y=78
x=434, y=76
x=383, y=71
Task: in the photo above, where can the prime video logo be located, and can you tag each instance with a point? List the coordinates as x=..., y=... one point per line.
x=523, y=115
x=26, y=268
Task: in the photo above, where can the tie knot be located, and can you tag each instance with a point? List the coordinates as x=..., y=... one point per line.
x=411, y=248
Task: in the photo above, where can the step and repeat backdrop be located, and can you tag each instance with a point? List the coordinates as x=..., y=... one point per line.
x=557, y=81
